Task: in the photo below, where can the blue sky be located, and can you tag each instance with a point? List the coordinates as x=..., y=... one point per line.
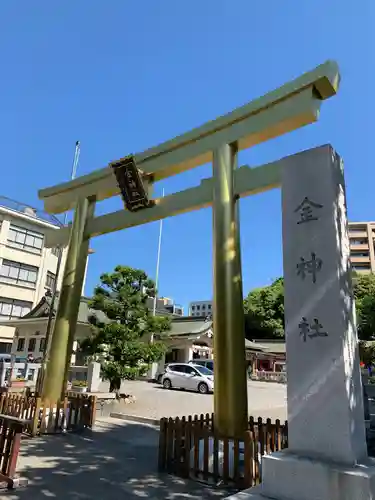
x=122, y=76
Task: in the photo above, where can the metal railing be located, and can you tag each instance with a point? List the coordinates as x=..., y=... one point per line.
x=23, y=208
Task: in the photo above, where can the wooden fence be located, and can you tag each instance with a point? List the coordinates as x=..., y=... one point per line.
x=74, y=413
x=190, y=447
x=11, y=430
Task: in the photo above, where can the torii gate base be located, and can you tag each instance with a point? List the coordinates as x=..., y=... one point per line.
x=326, y=457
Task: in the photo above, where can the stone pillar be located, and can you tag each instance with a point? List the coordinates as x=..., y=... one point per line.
x=327, y=454
x=2, y=373
x=93, y=377
x=321, y=336
x=188, y=354
x=35, y=374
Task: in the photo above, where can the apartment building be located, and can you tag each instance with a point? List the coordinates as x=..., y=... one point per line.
x=200, y=308
x=362, y=242
x=164, y=305
x=27, y=268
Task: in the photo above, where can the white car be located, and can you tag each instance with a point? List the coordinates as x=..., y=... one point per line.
x=188, y=376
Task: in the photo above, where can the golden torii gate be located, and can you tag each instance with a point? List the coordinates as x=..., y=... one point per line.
x=289, y=107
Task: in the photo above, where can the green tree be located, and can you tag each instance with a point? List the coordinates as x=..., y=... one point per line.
x=264, y=311
x=364, y=293
x=123, y=325
x=367, y=352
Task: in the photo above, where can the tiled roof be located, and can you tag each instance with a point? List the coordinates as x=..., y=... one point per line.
x=180, y=326
x=272, y=346
x=255, y=346
x=189, y=325
x=41, y=310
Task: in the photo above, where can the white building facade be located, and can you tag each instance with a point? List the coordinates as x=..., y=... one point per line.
x=200, y=308
x=27, y=269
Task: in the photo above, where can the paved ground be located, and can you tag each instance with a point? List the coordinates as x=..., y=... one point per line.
x=266, y=400
x=119, y=459
x=116, y=461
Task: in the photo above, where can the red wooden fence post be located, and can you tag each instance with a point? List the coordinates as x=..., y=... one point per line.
x=15, y=449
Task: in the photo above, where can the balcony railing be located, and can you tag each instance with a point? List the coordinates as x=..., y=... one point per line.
x=20, y=207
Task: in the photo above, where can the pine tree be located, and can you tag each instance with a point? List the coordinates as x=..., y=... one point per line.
x=125, y=337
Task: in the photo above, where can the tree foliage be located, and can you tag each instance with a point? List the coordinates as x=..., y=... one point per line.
x=123, y=325
x=364, y=293
x=367, y=352
x=264, y=311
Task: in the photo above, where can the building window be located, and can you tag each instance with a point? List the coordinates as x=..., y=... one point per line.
x=209, y=306
x=361, y=266
x=25, y=239
x=42, y=345
x=50, y=280
x=198, y=308
x=20, y=345
x=32, y=344
x=12, y=308
x=17, y=273
x=5, y=347
x=358, y=242
x=359, y=253
x=55, y=251
x=193, y=308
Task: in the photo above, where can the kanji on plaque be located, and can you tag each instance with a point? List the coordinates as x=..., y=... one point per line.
x=308, y=210
x=130, y=182
x=311, y=330
x=311, y=266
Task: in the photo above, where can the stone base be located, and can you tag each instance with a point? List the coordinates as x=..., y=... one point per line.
x=290, y=477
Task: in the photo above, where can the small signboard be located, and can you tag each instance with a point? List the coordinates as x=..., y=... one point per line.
x=130, y=183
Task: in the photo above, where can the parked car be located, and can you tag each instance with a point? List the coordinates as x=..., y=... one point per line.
x=188, y=376
x=159, y=375
x=208, y=363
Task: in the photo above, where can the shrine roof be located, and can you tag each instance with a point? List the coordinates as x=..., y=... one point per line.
x=190, y=325
x=42, y=309
x=272, y=346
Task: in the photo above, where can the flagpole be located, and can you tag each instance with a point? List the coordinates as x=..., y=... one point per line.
x=158, y=263
x=154, y=366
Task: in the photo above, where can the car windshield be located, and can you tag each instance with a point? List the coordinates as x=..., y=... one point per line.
x=203, y=370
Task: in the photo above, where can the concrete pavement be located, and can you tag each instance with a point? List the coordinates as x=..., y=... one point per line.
x=265, y=399
x=117, y=460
